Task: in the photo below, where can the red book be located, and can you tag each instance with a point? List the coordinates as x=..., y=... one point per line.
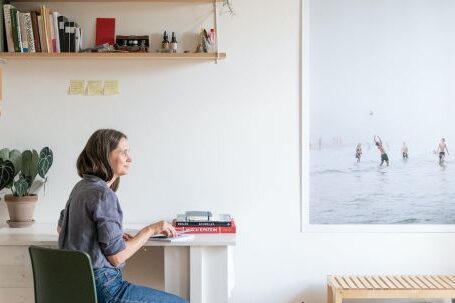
x=105, y=31
x=207, y=229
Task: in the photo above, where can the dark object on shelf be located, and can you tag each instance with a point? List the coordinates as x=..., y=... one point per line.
x=174, y=45
x=132, y=44
x=165, y=43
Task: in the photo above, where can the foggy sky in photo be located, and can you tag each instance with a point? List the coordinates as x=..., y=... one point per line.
x=388, y=71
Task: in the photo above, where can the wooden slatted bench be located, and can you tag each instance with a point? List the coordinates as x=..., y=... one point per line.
x=389, y=287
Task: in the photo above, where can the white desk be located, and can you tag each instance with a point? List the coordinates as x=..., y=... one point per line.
x=199, y=270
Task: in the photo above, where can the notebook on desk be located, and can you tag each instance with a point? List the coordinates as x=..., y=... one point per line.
x=179, y=237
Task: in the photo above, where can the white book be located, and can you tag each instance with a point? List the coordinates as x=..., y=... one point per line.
x=78, y=39
x=52, y=33
x=29, y=30
x=55, y=16
x=8, y=27
x=178, y=238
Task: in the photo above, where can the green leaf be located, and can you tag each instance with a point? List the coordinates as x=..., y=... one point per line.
x=30, y=164
x=4, y=154
x=6, y=173
x=14, y=156
x=21, y=186
x=46, y=158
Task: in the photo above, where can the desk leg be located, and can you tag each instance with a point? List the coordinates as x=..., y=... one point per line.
x=209, y=274
x=177, y=270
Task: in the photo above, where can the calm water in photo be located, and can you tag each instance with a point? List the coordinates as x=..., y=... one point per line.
x=413, y=191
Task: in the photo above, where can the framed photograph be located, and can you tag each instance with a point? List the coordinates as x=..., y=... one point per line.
x=377, y=116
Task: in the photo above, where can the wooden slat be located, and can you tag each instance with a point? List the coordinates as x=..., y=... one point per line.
x=410, y=282
x=373, y=282
x=403, y=282
x=442, y=282
x=428, y=282
x=350, y=283
x=342, y=282
x=434, y=282
x=451, y=278
x=396, y=282
x=422, y=281
x=334, y=282
x=357, y=282
x=365, y=282
x=448, y=281
x=387, y=282
x=418, y=282
x=380, y=282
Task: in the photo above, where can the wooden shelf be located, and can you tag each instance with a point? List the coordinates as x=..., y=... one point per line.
x=169, y=1
x=144, y=56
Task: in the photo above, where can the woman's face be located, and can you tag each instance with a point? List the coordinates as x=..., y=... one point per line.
x=121, y=158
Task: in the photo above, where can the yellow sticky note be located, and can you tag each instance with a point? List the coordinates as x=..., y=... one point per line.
x=94, y=88
x=111, y=87
x=76, y=87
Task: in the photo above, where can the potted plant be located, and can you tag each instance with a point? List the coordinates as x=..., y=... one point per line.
x=18, y=172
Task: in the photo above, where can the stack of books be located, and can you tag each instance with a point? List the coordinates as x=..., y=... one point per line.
x=203, y=222
x=40, y=31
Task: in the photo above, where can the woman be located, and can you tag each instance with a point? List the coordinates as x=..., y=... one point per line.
x=92, y=220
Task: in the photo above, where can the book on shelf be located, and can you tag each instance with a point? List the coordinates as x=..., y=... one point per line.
x=16, y=30
x=23, y=32
x=61, y=33
x=2, y=28
x=29, y=32
x=8, y=27
x=36, y=33
x=55, y=26
x=105, y=31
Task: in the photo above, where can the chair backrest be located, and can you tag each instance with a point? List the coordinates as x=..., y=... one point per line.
x=62, y=276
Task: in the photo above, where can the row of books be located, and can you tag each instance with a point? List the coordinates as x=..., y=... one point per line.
x=39, y=31
x=204, y=223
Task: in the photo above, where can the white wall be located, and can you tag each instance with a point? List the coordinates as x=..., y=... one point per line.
x=203, y=136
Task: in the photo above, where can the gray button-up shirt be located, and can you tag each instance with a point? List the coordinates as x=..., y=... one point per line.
x=92, y=221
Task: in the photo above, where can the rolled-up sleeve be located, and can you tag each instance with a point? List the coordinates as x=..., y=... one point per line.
x=108, y=221
x=60, y=220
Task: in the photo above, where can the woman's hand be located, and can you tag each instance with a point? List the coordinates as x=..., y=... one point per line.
x=127, y=236
x=163, y=227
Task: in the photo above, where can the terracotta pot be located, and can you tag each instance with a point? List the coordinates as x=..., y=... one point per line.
x=21, y=209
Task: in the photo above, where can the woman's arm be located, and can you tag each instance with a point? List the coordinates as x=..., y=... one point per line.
x=135, y=243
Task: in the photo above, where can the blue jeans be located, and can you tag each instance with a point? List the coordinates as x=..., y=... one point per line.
x=111, y=288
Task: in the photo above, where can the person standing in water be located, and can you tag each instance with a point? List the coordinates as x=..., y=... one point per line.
x=404, y=150
x=384, y=157
x=358, y=152
x=442, y=148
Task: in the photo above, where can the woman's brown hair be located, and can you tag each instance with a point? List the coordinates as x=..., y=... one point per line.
x=94, y=158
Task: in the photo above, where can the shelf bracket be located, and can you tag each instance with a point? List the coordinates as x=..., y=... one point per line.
x=215, y=21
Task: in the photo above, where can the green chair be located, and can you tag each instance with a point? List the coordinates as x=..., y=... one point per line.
x=62, y=276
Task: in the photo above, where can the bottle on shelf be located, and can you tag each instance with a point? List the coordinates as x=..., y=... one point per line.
x=174, y=44
x=165, y=43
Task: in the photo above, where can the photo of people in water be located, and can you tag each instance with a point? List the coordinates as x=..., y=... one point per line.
x=397, y=172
